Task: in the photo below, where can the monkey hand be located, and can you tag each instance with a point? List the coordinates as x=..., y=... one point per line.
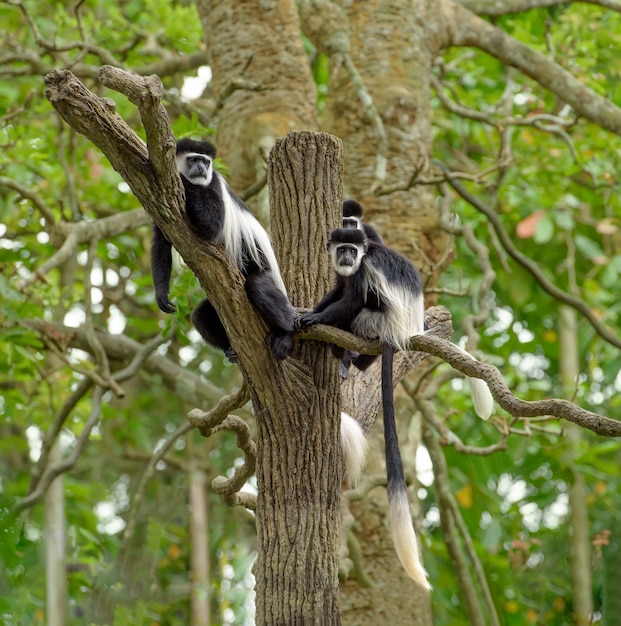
x=164, y=304
x=306, y=320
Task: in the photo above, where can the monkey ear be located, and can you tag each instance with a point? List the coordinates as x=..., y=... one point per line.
x=366, y=247
x=329, y=245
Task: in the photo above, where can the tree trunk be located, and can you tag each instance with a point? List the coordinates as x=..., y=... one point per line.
x=199, y=546
x=391, y=44
x=261, y=77
x=299, y=464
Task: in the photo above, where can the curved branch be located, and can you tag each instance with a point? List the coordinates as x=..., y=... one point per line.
x=53, y=431
x=228, y=487
x=527, y=263
x=497, y=8
x=221, y=410
x=149, y=470
x=33, y=196
x=206, y=421
x=467, y=365
x=469, y=30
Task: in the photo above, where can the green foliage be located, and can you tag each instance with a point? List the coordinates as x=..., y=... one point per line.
x=73, y=181
x=558, y=202
x=558, y=199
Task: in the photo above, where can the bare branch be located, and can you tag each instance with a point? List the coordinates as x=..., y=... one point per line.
x=189, y=385
x=470, y=367
x=148, y=473
x=228, y=487
x=206, y=421
x=146, y=93
x=101, y=358
x=502, y=394
x=467, y=29
x=80, y=232
x=52, y=472
x=33, y=196
x=52, y=432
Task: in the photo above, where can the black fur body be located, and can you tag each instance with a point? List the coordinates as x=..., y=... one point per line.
x=218, y=214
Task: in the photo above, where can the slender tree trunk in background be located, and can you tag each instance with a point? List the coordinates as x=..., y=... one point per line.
x=55, y=547
x=55, y=528
x=581, y=575
x=199, y=544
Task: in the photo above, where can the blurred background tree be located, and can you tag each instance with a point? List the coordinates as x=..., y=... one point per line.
x=516, y=101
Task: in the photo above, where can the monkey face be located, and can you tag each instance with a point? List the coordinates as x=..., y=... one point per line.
x=196, y=168
x=351, y=222
x=346, y=258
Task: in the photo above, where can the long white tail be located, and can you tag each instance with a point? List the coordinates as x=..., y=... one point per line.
x=403, y=535
x=354, y=445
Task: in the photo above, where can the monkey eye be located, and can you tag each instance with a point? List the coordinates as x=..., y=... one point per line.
x=198, y=158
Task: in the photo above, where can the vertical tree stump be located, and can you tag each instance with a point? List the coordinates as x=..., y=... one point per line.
x=299, y=464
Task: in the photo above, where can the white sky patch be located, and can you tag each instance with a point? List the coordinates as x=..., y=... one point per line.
x=35, y=441
x=116, y=321
x=193, y=86
x=109, y=522
x=97, y=276
x=424, y=467
x=74, y=318
x=187, y=354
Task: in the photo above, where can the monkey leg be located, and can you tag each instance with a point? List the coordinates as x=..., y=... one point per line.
x=208, y=324
x=275, y=309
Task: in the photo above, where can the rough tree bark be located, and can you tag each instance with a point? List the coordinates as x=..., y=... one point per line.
x=298, y=457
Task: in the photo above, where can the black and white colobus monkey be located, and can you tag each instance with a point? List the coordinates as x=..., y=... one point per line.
x=217, y=214
x=481, y=396
x=379, y=294
x=352, y=218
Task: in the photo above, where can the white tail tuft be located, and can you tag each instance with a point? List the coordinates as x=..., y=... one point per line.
x=404, y=538
x=354, y=445
x=481, y=397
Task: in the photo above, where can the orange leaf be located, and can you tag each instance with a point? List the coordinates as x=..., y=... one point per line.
x=526, y=228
